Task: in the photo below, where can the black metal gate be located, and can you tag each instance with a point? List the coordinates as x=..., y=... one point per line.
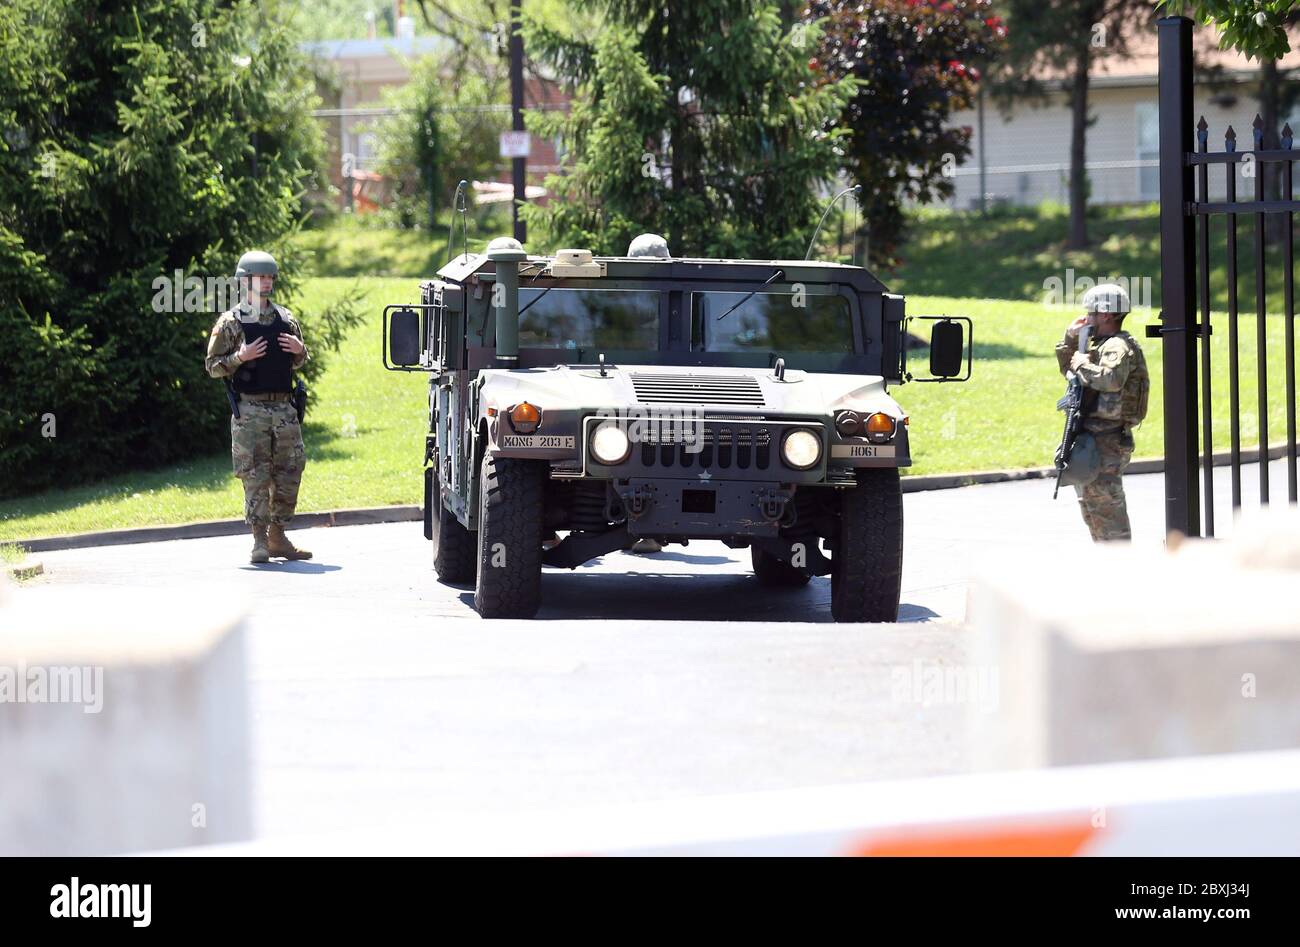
x=1185, y=215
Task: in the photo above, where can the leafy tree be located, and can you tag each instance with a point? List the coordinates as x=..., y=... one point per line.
x=917, y=63
x=701, y=121
x=1067, y=37
x=135, y=141
x=446, y=129
x=1261, y=30
x=1257, y=28
x=477, y=30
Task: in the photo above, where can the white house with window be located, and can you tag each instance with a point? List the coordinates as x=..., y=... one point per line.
x=1026, y=155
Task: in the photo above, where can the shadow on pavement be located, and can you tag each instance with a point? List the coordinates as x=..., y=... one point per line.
x=303, y=568
x=684, y=557
x=647, y=596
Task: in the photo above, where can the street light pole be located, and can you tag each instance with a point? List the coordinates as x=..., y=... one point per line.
x=518, y=165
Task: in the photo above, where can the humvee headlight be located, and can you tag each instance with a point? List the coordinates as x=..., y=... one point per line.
x=879, y=427
x=801, y=449
x=848, y=423
x=525, y=418
x=610, y=444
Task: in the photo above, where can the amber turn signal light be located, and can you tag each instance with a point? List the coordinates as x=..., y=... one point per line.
x=879, y=427
x=525, y=418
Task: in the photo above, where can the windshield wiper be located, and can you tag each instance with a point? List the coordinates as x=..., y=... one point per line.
x=534, y=300
x=750, y=296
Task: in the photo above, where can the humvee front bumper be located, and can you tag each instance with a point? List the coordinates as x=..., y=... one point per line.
x=702, y=508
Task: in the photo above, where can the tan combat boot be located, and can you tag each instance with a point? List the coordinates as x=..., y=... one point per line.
x=260, y=552
x=278, y=544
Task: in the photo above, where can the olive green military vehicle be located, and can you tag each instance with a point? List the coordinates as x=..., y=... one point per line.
x=579, y=403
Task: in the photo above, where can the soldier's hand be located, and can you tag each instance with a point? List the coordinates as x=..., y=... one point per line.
x=291, y=343
x=1073, y=329
x=250, y=352
x=1077, y=359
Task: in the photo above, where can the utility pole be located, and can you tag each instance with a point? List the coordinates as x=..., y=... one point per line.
x=518, y=165
x=983, y=164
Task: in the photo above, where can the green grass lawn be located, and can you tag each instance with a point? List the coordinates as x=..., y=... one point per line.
x=351, y=248
x=1011, y=253
x=364, y=432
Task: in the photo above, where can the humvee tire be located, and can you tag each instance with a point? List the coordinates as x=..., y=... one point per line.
x=774, y=573
x=867, y=568
x=509, y=538
x=455, y=552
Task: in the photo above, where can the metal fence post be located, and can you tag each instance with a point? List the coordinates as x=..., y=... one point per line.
x=1177, y=278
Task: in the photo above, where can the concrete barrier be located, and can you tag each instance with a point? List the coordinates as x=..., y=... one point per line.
x=1125, y=653
x=1247, y=804
x=123, y=721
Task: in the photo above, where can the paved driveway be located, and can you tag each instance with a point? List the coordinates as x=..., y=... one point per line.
x=378, y=693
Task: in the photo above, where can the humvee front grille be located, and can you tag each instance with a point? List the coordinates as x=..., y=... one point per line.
x=698, y=389
x=723, y=447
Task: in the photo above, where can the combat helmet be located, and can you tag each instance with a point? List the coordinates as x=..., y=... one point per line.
x=648, y=244
x=1107, y=298
x=256, y=263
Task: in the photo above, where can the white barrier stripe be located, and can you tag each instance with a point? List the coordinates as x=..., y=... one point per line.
x=1233, y=804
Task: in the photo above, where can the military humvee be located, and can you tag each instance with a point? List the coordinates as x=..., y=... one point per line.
x=615, y=398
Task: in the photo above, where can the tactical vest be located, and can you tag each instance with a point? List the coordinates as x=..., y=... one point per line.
x=272, y=371
x=1124, y=408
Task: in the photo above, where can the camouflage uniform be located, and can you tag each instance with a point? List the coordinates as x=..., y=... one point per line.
x=266, y=439
x=1113, y=379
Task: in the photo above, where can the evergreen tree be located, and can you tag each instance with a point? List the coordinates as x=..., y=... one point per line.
x=135, y=140
x=700, y=121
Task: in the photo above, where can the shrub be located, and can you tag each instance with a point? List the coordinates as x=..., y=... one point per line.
x=136, y=141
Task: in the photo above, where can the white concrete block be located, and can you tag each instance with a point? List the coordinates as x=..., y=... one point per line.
x=1125, y=653
x=123, y=721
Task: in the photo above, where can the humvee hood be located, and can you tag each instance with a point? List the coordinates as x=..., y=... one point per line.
x=742, y=390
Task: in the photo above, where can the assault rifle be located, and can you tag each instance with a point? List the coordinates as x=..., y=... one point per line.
x=1072, y=405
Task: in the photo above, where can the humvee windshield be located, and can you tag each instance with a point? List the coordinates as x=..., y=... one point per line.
x=771, y=322
x=622, y=319
x=813, y=330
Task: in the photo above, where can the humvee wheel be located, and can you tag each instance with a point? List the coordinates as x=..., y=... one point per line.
x=774, y=573
x=867, y=567
x=509, y=538
x=454, y=552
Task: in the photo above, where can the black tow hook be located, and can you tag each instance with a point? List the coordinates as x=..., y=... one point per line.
x=637, y=499
x=772, y=504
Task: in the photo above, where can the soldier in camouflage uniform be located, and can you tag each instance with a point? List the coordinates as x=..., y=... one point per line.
x=1116, y=385
x=257, y=345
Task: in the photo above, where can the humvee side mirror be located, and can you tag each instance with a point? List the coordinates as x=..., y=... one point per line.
x=404, y=337
x=947, y=345
x=949, y=348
